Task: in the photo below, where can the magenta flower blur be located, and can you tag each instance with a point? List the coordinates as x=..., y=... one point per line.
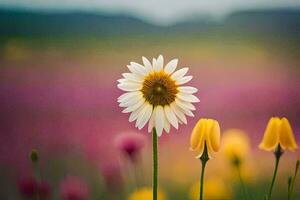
x=44, y=190
x=74, y=188
x=130, y=144
x=27, y=187
x=30, y=187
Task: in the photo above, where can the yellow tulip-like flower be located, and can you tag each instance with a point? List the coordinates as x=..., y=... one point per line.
x=278, y=132
x=145, y=194
x=215, y=189
x=205, y=133
x=235, y=145
x=278, y=137
x=205, y=140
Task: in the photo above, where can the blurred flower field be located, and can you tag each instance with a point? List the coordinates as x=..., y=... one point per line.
x=59, y=96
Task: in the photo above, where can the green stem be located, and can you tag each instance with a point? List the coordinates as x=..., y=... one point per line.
x=291, y=188
x=155, y=163
x=273, y=179
x=278, y=153
x=202, y=180
x=204, y=158
x=242, y=182
x=34, y=157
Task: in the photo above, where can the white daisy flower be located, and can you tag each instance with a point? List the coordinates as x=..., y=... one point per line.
x=154, y=94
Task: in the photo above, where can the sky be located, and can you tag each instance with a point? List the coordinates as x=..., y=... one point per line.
x=157, y=11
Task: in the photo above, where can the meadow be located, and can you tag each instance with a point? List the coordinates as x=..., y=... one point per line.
x=59, y=96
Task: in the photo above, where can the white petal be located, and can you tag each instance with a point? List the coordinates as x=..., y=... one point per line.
x=128, y=95
x=187, y=89
x=136, y=70
x=122, y=80
x=179, y=73
x=151, y=121
x=147, y=64
x=133, y=70
x=123, y=95
x=129, y=86
x=187, y=112
x=126, y=81
x=153, y=62
x=171, y=66
x=141, y=69
x=171, y=117
x=147, y=111
x=178, y=113
x=159, y=63
x=159, y=120
x=141, y=113
x=184, y=104
x=133, y=100
x=167, y=126
x=133, y=107
x=132, y=77
x=137, y=65
x=184, y=80
x=135, y=114
x=188, y=97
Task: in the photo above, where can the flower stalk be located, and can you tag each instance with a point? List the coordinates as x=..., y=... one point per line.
x=34, y=158
x=237, y=164
x=278, y=153
x=155, y=163
x=242, y=183
x=204, y=158
x=292, y=181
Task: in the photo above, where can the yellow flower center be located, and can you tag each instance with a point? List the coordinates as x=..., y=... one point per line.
x=159, y=89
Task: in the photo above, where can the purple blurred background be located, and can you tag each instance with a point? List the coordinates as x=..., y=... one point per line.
x=58, y=85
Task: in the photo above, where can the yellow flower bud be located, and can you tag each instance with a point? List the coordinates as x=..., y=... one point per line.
x=145, y=194
x=235, y=144
x=278, y=132
x=206, y=131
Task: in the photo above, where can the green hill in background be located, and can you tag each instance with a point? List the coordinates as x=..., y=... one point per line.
x=278, y=23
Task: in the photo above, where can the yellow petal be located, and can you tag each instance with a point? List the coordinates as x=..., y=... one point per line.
x=199, y=151
x=286, y=136
x=201, y=143
x=214, y=136
x=271, y=135
x=206, y=131
x=197, y=134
